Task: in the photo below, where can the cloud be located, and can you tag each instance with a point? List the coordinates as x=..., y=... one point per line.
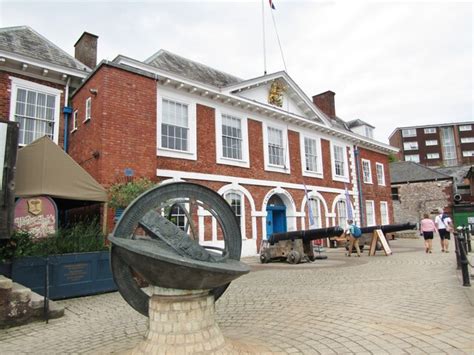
x=391, y=64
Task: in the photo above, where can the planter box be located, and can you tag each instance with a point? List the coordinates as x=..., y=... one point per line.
x=6, y=269
x=70, y=275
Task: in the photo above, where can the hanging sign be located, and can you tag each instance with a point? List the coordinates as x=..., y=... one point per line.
x=36, y=215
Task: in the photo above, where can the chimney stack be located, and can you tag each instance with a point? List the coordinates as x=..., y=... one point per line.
x=86, y=49
x=325, y=102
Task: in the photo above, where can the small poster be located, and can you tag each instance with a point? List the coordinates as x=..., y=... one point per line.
x=37, y=216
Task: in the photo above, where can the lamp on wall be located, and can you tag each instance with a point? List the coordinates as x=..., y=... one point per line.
x=94, y=91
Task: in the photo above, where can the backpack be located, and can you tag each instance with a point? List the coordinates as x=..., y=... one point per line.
x=356, y=232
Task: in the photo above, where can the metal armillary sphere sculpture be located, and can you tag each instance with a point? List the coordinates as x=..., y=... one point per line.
x=147, y=243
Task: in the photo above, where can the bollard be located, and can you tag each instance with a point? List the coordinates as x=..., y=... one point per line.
x=457, y=252
x=463, y=261
x=468, y=238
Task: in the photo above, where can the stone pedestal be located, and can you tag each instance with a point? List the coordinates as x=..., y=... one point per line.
x=181, y=322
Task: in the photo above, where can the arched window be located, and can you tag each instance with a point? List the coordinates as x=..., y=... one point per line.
x=235, y=202
x=315, y=210
x=341, y=214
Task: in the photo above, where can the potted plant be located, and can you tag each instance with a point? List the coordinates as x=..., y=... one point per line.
x=123, y=193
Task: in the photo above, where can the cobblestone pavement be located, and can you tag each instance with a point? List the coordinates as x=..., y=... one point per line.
x=407, y=303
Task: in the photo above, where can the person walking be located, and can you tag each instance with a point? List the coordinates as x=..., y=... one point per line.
x=427, y=229
x=354, y=234
x=445, y=227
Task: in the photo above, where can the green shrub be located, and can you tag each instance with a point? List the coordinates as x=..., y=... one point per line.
x=80, y=238
x=122, y=194
x=20, y=244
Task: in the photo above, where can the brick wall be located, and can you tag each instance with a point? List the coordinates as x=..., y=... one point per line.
x=122, y=128
x=375, y=191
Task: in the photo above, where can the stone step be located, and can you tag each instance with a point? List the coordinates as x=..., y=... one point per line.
x=21, y=293
x=5, y=283
x=37, y=304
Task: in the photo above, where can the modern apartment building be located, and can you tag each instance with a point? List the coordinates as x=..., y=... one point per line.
x=447, y=144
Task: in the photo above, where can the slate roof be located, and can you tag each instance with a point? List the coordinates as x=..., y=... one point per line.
x=176, y=64
x=407, y=171
x=23, y=40
x=338, y=122
x=457, y=172
x=357, y=122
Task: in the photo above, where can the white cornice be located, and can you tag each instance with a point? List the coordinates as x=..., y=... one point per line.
x=184, y=175
x=215, y=93
x=44, y=65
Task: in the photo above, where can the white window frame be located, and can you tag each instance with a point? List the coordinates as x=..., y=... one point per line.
x=345, y=177
x=410, y=145
x=286, y=156
x=466, y=127
x=88, y=109
x=467, y=140
x=366, y=174
x=432, y=156
x=340, y=221
x=384, y=217
x=408, y=157
x=316, y=209
x=17, y=83
x=431, y=142
x=242, y=209
x=409, y=132
x=372, y=209
x=369, y=132
x=244, y=162
x=74, y=121
x=191, y=153
x=319, y=160
x=430, y=130
x=468, y=153
x=381, y=177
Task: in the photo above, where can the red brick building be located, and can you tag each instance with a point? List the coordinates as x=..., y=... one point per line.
x=36, y=79
x=448, y=144
x=257, y=142
x=170, y=118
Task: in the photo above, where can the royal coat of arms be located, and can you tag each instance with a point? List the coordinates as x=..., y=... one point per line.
x=275, y=96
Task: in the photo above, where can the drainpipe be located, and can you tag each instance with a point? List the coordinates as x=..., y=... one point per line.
x=67, y=111
x=359, y=183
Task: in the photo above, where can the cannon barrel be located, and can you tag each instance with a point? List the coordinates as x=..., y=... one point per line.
x=389, y=228
x=306, y=235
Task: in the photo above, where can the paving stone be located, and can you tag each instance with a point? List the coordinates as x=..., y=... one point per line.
x=407, y=303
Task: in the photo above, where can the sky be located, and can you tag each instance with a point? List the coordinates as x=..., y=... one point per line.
x=391, y=64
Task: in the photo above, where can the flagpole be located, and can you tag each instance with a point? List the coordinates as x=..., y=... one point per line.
x=263, y=35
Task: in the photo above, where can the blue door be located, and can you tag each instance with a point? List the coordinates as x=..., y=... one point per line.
x=276, y=219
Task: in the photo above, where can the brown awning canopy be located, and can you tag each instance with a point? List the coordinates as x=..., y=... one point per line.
x=43, y=168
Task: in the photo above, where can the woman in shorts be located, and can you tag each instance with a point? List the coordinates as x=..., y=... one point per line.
x=427, y=228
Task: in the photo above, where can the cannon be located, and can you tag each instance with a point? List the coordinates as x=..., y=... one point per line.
x=388, y=228
x=294, y=246
x=385, y=228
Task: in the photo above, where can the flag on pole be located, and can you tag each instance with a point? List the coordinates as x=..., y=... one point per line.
x=310, y=209
x=350, y=215
x=272, y=5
